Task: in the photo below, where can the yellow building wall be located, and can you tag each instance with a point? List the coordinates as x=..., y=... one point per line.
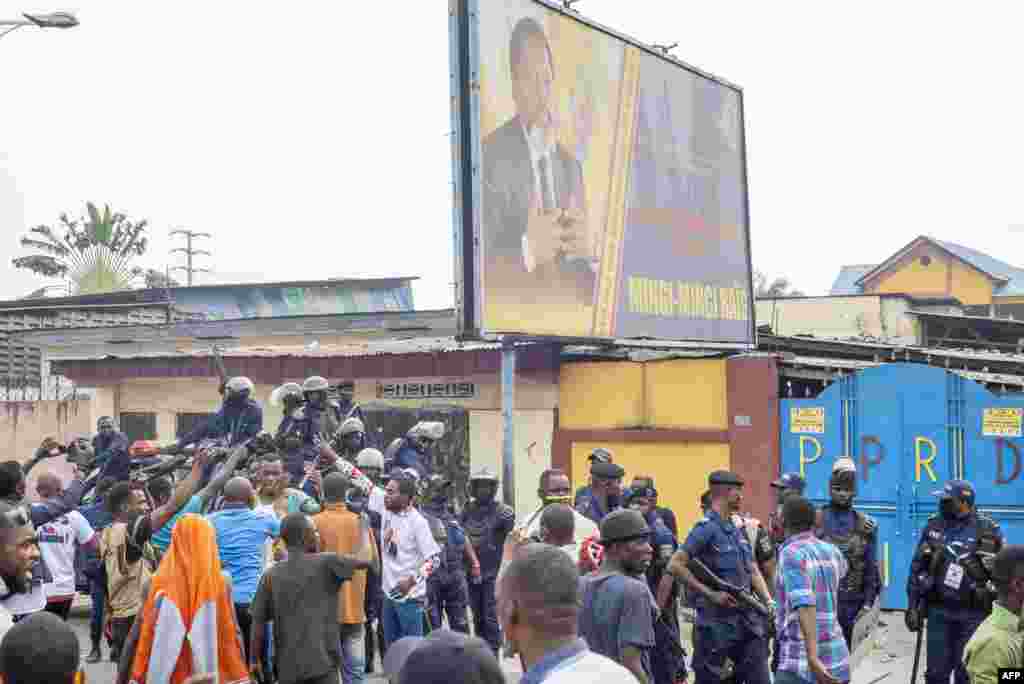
x=969, y=285
x=601, y=396
x=912, y=277
x=686, y=393
x=680, y=471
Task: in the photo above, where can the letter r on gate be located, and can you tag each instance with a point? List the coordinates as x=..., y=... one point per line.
x=804, y=439
x=925, y=463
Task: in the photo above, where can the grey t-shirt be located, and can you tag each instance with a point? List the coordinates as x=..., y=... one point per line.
x=618, y=611
x=300, y=596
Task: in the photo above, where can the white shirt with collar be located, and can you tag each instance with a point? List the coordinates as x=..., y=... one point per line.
x=541, y=146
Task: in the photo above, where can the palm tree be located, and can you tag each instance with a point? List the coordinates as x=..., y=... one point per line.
x=95, y=253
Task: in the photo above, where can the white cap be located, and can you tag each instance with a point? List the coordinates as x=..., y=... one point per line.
x=844, y=465
x=430, y=429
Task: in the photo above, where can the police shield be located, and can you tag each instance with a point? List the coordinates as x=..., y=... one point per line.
x=864, y=632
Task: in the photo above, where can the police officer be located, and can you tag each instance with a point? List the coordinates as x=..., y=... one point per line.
x=950, y=579
x=324, y=412
x=414, y=449
x=856, y=535
x=605, y=491
x=296, y=437
x=350, y=439
x=598, y=455
x=110, y=447
x=731, y=641
x=789, y=483
x=447, y=588
x=668, y=660
x=486, y=523
x=239, y=418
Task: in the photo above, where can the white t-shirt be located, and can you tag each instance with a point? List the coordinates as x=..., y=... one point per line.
x=589, y=668
x=408, y=535
x=57, y=541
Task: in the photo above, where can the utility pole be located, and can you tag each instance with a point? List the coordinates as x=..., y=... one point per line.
x=189, y=252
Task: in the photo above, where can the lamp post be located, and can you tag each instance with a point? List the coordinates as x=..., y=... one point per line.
x=59, y=20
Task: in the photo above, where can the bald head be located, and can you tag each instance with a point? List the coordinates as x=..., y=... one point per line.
x=335, y=486
x=540, y=589
x=297, y=530
x=238, y=490
x=48, y=486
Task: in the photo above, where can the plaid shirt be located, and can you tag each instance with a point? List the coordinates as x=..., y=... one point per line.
x=808, y=575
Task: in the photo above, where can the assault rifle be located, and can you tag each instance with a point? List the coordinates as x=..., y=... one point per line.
x=745, y=598
x=222, y=372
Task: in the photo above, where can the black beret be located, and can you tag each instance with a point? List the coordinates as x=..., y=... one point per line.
x=725, y=477
x=607, y=471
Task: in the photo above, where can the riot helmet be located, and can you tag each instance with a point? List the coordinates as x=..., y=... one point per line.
x=371, y=463
x=105, y=425
x=238, y=390
x=425, y=434
x=351, y=436
x=956, y=499
x=842, y=485
x=288, y=396
x=315, y=389
x=483, y=485
x=789, y=483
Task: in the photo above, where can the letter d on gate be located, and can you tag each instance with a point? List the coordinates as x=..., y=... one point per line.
x=804, y=439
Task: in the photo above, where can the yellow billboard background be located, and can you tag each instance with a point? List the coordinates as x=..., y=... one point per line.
x=588, y=102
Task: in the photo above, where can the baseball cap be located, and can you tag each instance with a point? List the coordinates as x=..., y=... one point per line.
x=725, y=477
x=600, y=455
x=961, y=489
x=444, y=656
x=607, y=471
x=790, y=481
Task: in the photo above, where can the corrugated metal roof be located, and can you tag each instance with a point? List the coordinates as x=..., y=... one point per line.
x=853, y=365
x=1013, y=276
x=846, y=281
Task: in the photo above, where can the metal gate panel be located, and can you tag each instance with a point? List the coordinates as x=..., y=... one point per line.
x=909, y=428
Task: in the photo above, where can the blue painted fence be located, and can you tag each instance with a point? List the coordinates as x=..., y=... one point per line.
x=909, y=428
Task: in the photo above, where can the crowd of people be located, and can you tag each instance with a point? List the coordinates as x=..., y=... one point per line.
x=309, y=556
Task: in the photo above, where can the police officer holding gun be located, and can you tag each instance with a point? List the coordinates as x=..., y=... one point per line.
x=950, y=579
x=731, y=632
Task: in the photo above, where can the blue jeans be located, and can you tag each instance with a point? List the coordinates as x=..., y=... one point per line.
x=353, y=654
x=98, y=591
x=401, y=619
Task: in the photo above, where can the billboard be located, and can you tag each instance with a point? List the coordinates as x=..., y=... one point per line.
x=600, y=186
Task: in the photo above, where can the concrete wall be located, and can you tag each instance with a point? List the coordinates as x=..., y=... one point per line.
x=881, y=317
x=24, y=425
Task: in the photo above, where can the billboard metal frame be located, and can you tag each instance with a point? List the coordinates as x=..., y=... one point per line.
x=464, y=58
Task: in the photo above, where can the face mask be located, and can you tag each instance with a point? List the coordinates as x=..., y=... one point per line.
x=549, y=500
x=484, y=495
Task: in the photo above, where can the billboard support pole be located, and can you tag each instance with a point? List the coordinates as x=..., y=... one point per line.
x=508, y=405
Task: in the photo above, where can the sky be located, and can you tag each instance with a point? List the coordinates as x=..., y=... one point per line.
x=311, y=138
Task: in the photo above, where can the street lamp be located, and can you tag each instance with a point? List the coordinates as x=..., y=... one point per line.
x=60, y=20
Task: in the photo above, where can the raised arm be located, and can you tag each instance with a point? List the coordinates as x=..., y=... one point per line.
x=212, y=489
x=182, y=493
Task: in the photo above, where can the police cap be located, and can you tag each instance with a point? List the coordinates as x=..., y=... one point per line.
x=725, y=477
x=600, y=455
x=623, y=525
x=791, y=481
x=607, y=471
x=961, y=489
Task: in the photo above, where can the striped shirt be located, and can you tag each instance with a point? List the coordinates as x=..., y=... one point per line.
x=808, y=575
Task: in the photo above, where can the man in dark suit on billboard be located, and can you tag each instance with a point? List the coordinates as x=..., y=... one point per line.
x=534, y=213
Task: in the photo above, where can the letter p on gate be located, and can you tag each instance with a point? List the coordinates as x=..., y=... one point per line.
x=804, y=460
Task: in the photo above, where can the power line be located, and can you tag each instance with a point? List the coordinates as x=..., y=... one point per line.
x=189, y=252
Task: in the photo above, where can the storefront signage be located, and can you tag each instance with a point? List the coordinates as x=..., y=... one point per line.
x=426, y=390
x=1001, y=422
x=807, y=420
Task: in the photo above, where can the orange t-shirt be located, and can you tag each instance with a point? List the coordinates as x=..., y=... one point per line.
x=340, y=533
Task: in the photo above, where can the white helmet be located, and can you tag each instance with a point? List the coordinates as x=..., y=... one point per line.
x=315, y=384
x=239, y=385
x=370, y=458
x=289, y=390
x=430, y=429
x=351, y=425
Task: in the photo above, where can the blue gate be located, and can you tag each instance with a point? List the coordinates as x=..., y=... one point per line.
x=909, y=428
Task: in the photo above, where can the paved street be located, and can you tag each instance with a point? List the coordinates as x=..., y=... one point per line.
x=890, y=661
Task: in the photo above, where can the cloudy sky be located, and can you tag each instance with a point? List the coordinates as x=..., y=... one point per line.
x=310, y=137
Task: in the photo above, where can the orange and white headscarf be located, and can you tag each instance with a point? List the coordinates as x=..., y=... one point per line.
x=188, y=621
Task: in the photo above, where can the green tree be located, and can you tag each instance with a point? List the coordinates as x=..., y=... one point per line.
x=95, y=253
